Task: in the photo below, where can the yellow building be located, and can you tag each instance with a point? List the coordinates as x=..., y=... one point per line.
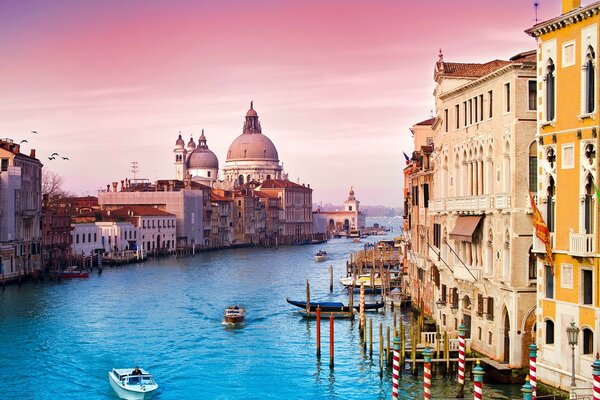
x=567, y=137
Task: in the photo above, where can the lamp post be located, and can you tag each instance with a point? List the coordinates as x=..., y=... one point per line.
x=572, y=335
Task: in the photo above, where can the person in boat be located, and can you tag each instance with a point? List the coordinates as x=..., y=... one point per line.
x=136, y=371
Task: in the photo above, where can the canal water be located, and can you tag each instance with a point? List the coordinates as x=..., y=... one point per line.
x=59, y=340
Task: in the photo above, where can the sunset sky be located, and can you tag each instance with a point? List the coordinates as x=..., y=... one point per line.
x=336, y=84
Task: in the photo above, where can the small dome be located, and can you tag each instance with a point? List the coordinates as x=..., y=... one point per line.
x=191, y=145
x=251, y=112
x=202, y=157
x=180, y=144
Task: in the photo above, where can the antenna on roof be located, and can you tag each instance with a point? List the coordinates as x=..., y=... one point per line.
x=536, y=6
x=134, y=168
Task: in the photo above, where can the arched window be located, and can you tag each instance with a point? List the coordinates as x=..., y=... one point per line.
x=268, y=177
x=588, y=341
x=590, y=80
x=550, y=205
x=549, y=332
x=550, y=91
x=241, y=179
x=588, y=206
x=532, y=264
x=533, y=167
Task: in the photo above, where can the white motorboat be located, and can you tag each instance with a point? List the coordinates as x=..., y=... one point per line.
x=132, y=383
x=321, y=256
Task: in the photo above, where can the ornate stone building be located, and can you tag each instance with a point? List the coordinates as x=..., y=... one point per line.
x=197, y=161
x=484, y=129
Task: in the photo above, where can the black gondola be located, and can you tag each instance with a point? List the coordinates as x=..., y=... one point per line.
x=333, y=306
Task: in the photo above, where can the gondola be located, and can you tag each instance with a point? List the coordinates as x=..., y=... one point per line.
x=333, y=306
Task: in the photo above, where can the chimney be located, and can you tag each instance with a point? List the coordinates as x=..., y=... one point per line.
x=114, y=185
x=122, y=186
x=32, y=153
x=570, y=5
x=107, y=188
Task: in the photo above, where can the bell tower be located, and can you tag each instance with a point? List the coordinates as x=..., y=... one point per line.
x=180, y=158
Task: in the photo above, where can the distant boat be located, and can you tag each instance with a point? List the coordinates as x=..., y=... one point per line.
x=131, y=386
x=321, y=256
x=70, y=273
x=333, y=306
x=234, y=314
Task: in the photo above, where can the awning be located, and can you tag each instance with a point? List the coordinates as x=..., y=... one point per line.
x=464, y=228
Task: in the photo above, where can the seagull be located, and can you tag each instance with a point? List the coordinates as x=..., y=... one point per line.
x=24, y=141
x=53, y=154
x=34, y=132
x=50, y=158
x=65, y=158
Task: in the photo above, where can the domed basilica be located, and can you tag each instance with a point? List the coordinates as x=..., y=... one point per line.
x=252, y=156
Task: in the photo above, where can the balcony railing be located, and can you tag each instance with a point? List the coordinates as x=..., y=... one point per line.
x=538, y=246
x=437, y=205
x=502, y=201
x=460, y=272
x=581, y=244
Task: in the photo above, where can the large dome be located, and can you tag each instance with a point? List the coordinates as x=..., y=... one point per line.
x=202, y=157
x=252, y=144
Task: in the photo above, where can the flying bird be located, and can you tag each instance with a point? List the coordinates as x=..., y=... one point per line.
x=24, y=141
x=65, y=158
x=50, y=158
x=53, y=154
x=34, y=132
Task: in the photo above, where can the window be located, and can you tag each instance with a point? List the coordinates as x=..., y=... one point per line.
x=566, y=276
x=587, y=286
x=551, y=205
x=444, y=319
x=532, y=95
x=4, y=164
x=476, y=102
x=89, y=237
x=490, y=337
x=457, y=115
x=443, y=294
x=590, y=80
x=83, y=238
x=550, y=91
x=588, y=341
x=465, y=112
x=426, y=195
x=349, y=208
x=532, y=264
x=490, y=308
x=208, y=174
x=446, y=120
x=470, y=111
x=480, y=305
x=437, y=235
x=589, y=206
x=549, y=332
x=490, y=97
x=95, y=237
x=479, y=333
x=549, y=277
x=507, y=97
x=533, y=172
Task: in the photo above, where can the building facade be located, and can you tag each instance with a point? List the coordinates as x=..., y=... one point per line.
x=567, y=145
x=481, y=240
x=351, y=218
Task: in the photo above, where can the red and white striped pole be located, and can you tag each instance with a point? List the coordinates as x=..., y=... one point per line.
x=396, y=368
x=462, y=330
x=532, y=368
x=596, y=375
x=427, y=373
x=477, y=382
x=362, y=309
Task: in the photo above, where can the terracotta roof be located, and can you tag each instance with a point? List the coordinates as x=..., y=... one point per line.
x=429, y=121
x=281, y=184
x=216, y=197
x=469, y=70
x=140, y=211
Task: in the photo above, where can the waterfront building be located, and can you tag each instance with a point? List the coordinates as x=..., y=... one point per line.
x=252, y=156
x=221, y=221
x=188, y=200
x=422, y=274
x=351, y=218
x=295, y=218
x=567, y=138
x=56, y=235
x=86, y=238
x=248, y=215
x=482, y=236
x=20, y=211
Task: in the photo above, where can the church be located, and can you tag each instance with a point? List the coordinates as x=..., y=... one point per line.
x=252, y=157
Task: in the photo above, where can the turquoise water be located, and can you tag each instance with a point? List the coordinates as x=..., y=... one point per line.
x=59, y=340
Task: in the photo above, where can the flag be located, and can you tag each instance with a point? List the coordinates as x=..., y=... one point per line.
x=406, y=157
x=542, y=232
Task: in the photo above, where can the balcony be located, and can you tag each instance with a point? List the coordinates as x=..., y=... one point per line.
x=475, y=204
x=460, y=272
x=538, y=246
x=502, y=201
x=581, y=244
x=436, y=205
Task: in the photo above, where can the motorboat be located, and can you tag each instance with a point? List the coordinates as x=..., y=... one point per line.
x=132, y=383
x=364, y=280
x=235, y=314
x=321, y=256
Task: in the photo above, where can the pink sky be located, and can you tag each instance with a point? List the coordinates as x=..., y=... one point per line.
x=336, y=84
